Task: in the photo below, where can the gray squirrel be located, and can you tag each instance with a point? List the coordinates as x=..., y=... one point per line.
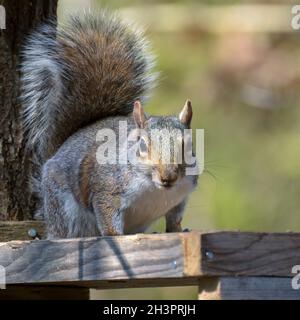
x=88, y=75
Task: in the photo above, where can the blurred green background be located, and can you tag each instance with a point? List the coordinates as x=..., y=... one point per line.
x=238, y=61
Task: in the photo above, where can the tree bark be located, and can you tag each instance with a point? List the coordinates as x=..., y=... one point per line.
x=16, y=200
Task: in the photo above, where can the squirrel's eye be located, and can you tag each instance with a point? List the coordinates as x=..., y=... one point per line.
x=143, y=146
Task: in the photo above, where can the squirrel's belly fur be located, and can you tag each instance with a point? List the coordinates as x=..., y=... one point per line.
x=152, y=203
x=148, y=205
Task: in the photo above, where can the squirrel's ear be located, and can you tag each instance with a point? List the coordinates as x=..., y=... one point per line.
x=186, y=113
x=139, y=115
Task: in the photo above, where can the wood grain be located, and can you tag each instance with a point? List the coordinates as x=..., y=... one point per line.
x=249, y=253
x=247, y=288
x=92, y=260
x=149, y=259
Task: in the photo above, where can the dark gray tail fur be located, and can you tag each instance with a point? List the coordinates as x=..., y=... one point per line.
x=93, y=67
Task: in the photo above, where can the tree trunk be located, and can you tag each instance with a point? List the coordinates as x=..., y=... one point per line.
x=16, y=200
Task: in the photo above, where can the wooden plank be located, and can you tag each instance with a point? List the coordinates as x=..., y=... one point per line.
x=92, y=260
x=18, y=230
x=247, y=288
x=20, y=292
x=149, y=259
x=133, y=283
x=249, y=253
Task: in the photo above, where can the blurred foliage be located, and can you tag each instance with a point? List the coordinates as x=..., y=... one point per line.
x=245, y=93
x=118, y=3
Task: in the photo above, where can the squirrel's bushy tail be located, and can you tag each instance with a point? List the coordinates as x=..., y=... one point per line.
x=92, y=67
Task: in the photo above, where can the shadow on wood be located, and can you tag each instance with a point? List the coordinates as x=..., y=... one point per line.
x=233, y=265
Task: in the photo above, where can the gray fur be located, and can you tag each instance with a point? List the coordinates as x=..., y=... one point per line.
x=127, y=191
x=76, y=81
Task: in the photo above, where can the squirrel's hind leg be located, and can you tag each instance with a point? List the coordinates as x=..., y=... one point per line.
x=109, y=215
x=52, y=186
x=64, y=216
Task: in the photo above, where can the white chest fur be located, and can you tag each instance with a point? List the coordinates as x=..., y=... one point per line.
x=152, y=203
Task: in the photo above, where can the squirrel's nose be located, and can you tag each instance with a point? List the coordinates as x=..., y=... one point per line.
x=169, y=178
